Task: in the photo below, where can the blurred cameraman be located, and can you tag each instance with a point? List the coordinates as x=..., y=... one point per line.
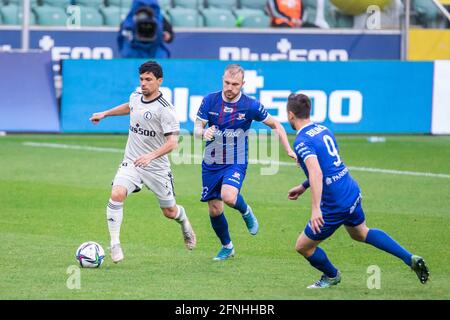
x=145, y=31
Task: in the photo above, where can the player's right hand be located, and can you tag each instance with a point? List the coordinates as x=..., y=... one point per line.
x=96, y=117
x=209, y=133
x=295, y=192
x=316, y=221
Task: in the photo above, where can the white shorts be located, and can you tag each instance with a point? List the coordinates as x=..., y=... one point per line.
x=159, y=182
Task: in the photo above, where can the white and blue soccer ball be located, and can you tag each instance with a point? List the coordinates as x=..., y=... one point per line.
x=90, y=254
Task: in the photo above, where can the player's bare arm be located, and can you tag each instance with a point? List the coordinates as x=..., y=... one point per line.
x=315, y=181
x=278, y=128
x=170, y=145
x=200, y=131
x=120, y=110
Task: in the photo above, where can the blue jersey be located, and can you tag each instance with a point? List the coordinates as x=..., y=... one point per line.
x=232, y=120
x=340, y=192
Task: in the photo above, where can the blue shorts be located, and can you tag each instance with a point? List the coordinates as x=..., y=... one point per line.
x=213, y=180
x=334, y=220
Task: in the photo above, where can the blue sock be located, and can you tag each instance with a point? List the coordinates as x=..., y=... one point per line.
x=381, y=240
x=220, y=226
x=240, y=204
x=319, y=260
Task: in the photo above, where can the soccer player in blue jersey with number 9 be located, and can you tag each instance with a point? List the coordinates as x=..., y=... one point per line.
x=335, y=196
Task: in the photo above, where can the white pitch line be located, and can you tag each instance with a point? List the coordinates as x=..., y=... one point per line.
x=251, y=161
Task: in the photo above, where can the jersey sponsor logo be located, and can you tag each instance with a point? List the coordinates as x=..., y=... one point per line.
x=241, y=116
x=328, y=181
x=213, y=113
x=227, y=109
x=143, y=132
x=234, y=180
x=148, y=115
x=237, y=175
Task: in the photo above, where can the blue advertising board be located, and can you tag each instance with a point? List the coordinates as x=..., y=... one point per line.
x=225, y=45
x=27, y=94
x=348, y=97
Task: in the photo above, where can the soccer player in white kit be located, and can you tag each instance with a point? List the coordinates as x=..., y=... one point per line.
x=153, y=133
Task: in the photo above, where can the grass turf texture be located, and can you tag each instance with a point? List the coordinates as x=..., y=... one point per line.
x=52, y=200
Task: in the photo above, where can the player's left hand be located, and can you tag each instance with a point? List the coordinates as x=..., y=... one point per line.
x=296, y=192
x=144, y=160
x=292, y=154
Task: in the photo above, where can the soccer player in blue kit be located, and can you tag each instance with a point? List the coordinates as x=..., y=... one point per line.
x=229, y=114
x=335, y=196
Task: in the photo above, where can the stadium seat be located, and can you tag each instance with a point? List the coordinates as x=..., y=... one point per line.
x=57, y=3
x=222, y=4
x=112, y=15
x=254, y=21
x=427, y=14
x=185, y=17
x=219, y=18
x=90, y=3
x=90, y=17
x=18, y=3
x=50, y=16
x=165, y=4
x=12, y=15
x=311, y=18
x=120, y=3
x=253, y=4
x=191, y=4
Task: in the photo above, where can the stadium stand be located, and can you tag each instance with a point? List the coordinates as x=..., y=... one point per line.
x=12, y=15
x=185, y=17
x=207, y=13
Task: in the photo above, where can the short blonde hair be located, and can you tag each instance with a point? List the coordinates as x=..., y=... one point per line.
x=234, y=69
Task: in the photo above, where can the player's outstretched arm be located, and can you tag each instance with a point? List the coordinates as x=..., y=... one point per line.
x=278, y=128
x=170, y=145
x=315, y=181
x=120, y=110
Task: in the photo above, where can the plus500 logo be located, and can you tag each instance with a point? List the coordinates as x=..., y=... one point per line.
x=323, y=105
x=340, y=106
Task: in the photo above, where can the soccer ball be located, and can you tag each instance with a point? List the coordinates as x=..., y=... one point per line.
x=90, y=254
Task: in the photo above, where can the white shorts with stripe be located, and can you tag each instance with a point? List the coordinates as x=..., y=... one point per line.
x=159, y=182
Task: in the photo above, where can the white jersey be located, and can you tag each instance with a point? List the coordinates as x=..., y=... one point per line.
x=150, y=122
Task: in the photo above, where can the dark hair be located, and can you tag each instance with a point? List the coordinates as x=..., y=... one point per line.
x=151, y=67
x=299, y=105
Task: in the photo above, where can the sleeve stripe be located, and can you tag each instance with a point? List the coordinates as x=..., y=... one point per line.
x=202, y=119
x=268, y=115
x=310, y=155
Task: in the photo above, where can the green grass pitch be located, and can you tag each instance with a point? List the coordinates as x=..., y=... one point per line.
x=53, y=199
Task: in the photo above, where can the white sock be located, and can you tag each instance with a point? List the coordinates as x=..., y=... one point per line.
x=114, y=216
x=181, y=214
x=229, y=246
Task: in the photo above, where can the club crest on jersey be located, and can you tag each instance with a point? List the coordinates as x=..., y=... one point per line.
x=237, y=175
x=148, y=115
x=227, y=109
x=241, y=116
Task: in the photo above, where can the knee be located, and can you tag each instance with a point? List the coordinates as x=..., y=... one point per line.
x=170, y=213
x=305, y=251
x=229, y=198
x=360, y=237
x=214, y=211
x=118, y=195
